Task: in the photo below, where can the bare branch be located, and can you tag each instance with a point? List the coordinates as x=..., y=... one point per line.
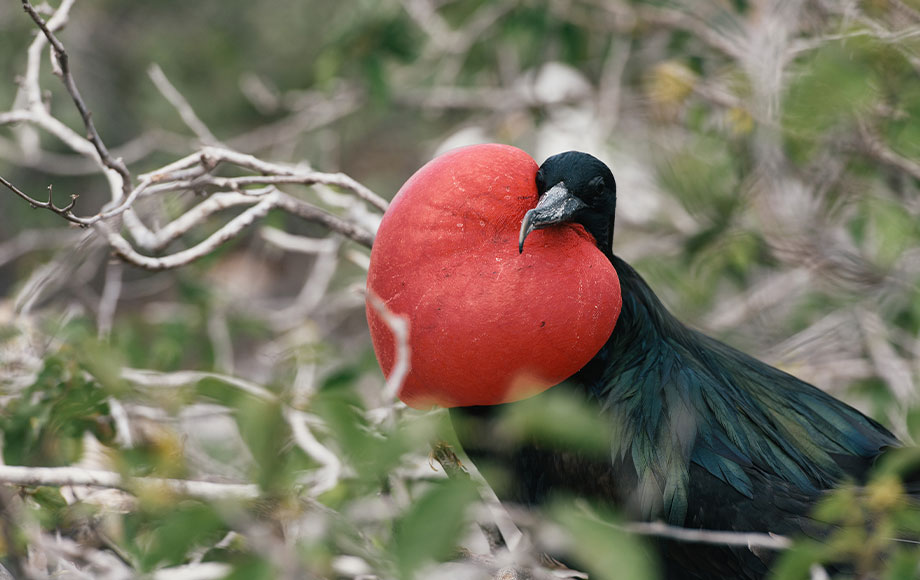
x=312, y=213
x=399, y=326
x=300, y=244
x=119, y=415
x=428, y=19
x=700, y=536
x=609, y=94
x=195, y=216
x=327, y=476
x=30, y=89
x=65, y=212
x=181, y=105
x=761, y=296
x=306, y=116
x=63, y=60
x=216, y=155
x=874, y=145
x=67, y=164
x=108, y=302
x=442, y=452
x=314, y=288
x=150, y=378
x=223, y=235
x=230, y=230
x=66, y=476
x=221, y=341
x=694, y=23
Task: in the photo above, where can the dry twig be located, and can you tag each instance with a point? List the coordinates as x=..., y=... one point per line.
x=64, y=72
x=68, y=476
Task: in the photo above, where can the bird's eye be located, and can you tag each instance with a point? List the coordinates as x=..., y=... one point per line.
x=597, y=184
x=541, y=181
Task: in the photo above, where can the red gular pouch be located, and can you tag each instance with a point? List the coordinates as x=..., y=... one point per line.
x=487, y=324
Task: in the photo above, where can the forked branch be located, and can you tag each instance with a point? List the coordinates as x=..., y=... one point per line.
x=63, y=61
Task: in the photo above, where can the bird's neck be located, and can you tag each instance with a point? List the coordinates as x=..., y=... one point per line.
x=641, y=305
x=643, y=325
x=600, y=226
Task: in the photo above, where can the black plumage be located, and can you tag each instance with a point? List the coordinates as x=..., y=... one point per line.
x=703, y=435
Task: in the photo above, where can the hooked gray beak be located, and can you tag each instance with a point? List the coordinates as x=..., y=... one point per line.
x=556, y=206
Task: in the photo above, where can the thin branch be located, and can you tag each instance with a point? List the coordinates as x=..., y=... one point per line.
x=231, y=229
x=150, y=378
x=424, y=14
x=312, y=213
x=214, y=155
x=63, y=553
x=693, y=23
x=122, y=423
x=221, y=340
x=315, y=287
x=60, y=54
x=65, y=476
x=195, y=216
x=700, y=536
x=874, y=145
x=108, y=302
x=30, y=88
x=65, y=212
x=305, y=117
x=759, y=297
x=327, y=476
x=181, y=105
x=68, y=136
x=610, y=89
x=54, y=163
x=163, y=173
x=299, y=244
x=511, y=536
x=440, y=97
x=399, y=326
x=875, y=32
x=11, y=523
x=444, y=454
x=227, y=232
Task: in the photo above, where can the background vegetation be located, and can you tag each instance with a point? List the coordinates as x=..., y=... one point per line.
x=767, y=155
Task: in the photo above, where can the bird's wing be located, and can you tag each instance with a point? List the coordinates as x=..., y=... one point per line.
x=700, y=402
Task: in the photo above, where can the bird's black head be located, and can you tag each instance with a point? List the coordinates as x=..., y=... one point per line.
x=574, y=187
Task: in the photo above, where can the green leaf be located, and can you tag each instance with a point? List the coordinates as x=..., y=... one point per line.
x=252, y=568
x=166, y=537
x=561, y=420
x=429, y=531
x=893, y=229
x=609, y=553
x=903, y=566
x=46, y=423
x=796, y=563
x=265, y=432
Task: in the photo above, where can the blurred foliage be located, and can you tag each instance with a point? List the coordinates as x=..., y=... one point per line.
x=44, y=425
x=752, y=142
x=607, y=551
x=872, y=528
